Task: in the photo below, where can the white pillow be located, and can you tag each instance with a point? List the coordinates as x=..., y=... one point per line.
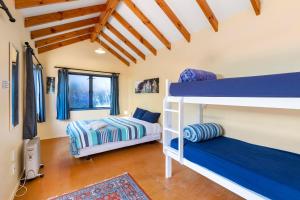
x=97, y=125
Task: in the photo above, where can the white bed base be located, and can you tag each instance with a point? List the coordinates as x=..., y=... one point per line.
x=116, y=145
x=168, y=132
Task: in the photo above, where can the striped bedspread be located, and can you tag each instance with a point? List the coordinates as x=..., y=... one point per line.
x=117, y=129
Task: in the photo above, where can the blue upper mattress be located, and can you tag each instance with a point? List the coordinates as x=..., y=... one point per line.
x=277, y=85
x=270, y=172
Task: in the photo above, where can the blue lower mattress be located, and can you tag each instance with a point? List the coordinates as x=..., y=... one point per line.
x=270, y=172
x=277, y=85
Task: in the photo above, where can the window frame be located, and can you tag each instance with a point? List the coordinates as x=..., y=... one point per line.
x=91, y=91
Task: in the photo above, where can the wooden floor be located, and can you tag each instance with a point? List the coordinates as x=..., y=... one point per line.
x=145, y=163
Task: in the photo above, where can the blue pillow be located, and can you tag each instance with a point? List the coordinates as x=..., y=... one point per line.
x=151, y=117
x=190, y=75
x=202, y=132
x=138, y=114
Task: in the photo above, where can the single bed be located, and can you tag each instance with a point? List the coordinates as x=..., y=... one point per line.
x=272, y=173
x=275, y=85
x=120, y=132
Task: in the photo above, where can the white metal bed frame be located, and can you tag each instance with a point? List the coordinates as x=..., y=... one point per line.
x=171, y=153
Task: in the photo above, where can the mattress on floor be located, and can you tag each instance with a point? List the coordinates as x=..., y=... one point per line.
x=277, y=85
x=270, y=172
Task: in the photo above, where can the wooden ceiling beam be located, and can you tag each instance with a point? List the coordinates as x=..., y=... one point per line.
x=64, y=27
x=256, y=4
x=62, y=15
x=61, y=37
x=147, y=23
x=111, y=6
x=117, y=46
x=209, y=14
x=105, y=46
x=125, y=40
x=172, y=16
x=20, y=4
x=134, y=32
x=63, y=43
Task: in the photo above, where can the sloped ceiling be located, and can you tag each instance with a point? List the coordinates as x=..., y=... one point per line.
x=188, y=13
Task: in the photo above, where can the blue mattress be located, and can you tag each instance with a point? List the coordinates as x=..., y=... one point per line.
x=277, y=85
x=270, y=172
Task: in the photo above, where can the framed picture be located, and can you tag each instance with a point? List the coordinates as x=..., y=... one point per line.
x=147, y=86
x=50, y=85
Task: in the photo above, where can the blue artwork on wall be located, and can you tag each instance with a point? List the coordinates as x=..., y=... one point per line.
x=147, y=86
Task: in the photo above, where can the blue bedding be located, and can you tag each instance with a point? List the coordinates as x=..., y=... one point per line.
x=270, y=172
x=118, y=129
x=277, y=85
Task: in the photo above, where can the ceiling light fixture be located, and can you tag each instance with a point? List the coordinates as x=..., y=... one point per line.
x=100, y=51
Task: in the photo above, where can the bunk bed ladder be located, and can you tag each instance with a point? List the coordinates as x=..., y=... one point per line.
x=169, y=131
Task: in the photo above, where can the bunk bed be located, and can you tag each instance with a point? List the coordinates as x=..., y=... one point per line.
x=251, y=171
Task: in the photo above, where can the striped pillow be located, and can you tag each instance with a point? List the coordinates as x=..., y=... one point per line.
x=202, y=132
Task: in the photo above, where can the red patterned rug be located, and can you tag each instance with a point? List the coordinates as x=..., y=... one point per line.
x=122, y=187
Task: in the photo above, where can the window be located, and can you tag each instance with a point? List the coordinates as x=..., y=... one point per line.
x=89, y=91
x=39, y=93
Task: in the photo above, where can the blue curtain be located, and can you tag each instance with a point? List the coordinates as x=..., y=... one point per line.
x=30, y=118
x=39, y=93
x=62, y=101
x=114, y=107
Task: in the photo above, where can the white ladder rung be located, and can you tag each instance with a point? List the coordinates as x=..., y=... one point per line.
x=172, y=152
x=173, y=99
x=171, y=130
x=171, y=110
x=175, y=151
